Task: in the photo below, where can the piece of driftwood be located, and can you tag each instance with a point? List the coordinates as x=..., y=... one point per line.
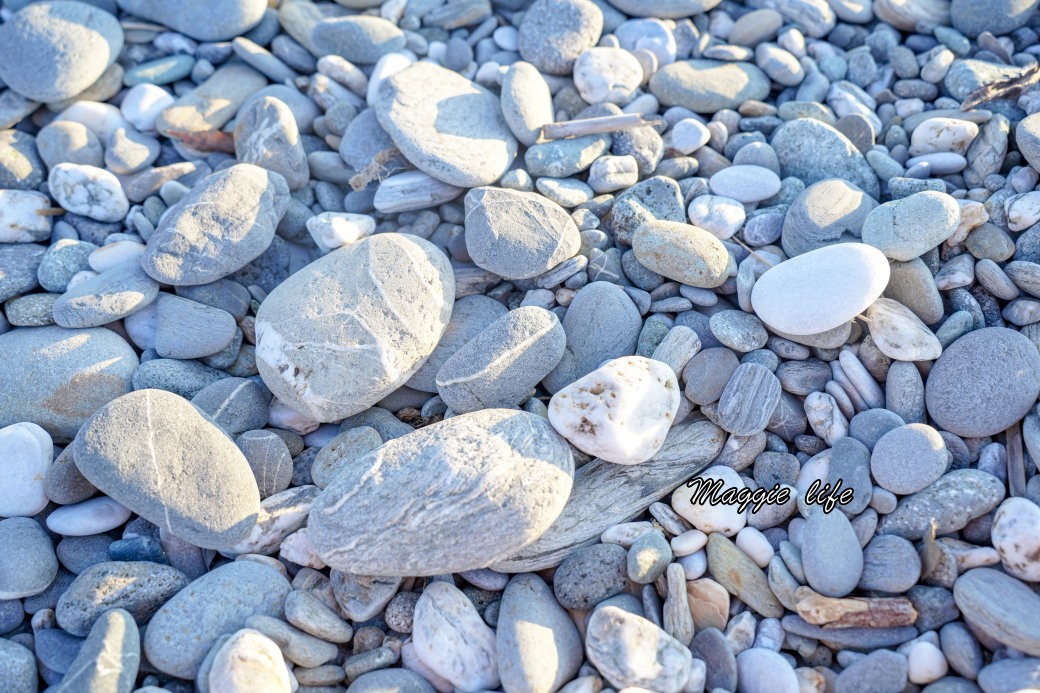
x=1008, y=88
x=854, y=612
x=593, y=126
x=1016, y=463
x=206, y=140
x=605, y=494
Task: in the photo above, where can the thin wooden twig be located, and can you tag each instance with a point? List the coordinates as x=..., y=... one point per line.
x=854, y=612
x=206, y=140
x=594, y=126
x=1016, y=463
x=50, y=212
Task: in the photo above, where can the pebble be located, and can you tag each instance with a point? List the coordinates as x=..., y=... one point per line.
x=68, y=385
x=534, y=629
x=890, y=564
x=685, y=253
x=882, y=670
x=28, y=451
x=908, y=458
x=907, y=228
x=362, y=40
x=953, y=501
x=554, y=33
x=693, y=503
x=399, y=326
x=87, y=190
x=760, y=670
x=708, y=86
x=28, y=565
x=18, y=666
x=129, y=449
x=526, y=102
x=998, y=606
x=517, y=235
x=138, y=587
x=812, y=151
x=109, y=658
x=745, y=183
x=248, y=660
x=205, y=237
x=186, y=627
x=458, y=135
x=720, y=216
x=223, y=22
x=831, y=554
x=586, y=411
x=1015, y=539
x=607, y=75
x=630, y=651
x=523, y=447
x=266, y=134
x=984, y=382
x=90, y=517
x=54, y=51
x=452, y=639
x=820, y=290
x=590, y=575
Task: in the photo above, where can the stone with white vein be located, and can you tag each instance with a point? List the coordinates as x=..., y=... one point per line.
x=619, y=412
x=349, y=329
x=452, y=639
x=87, y=190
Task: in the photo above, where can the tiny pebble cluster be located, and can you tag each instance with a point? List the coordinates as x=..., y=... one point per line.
x=534, y=346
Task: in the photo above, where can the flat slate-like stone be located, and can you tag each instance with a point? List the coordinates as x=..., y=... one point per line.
x=448, y=127
x=161, y=457
x=202, y=20
x=352, y=327
x=479, y=486
x=1001, y=607
x=953, y=501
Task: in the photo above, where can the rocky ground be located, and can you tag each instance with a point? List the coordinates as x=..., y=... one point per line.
x=559, y=345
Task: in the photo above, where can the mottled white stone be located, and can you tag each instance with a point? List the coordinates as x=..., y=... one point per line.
x=26, y=452
x=943, y=135
x=89, y=191
x=249, y=661
x=452, y=639
x=1016, y=536
x=331, y=230
x=619, y=412
x=900, y=334
x=143, y=103
x=21, y=220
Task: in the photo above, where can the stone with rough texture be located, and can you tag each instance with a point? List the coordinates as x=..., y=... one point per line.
x=953, y=501
x=811, y=151
x=64, y=376
x=479, y=486
x=225, y=222
x=984, y=382
x=620, y=412
x=158, y=455
x=139, y=587
x=533, y=630
x=89, y=191
x=223, y=21
x=452, y=639
x=18, y=667
x=1016, y=539
x=266, y=134
x=447, y=126
x=827, y=212
x=517, y=235
x=908, y=458
x=185, y=628
x=52, y=51
x=554, y=33
x=352, y=327
x=630, y=651
x=908, y=227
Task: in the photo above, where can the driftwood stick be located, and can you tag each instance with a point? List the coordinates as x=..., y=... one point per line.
x=854, y=612
x=1016, y=463
x=206, y=140
x=594, y=126
x=1004, y=88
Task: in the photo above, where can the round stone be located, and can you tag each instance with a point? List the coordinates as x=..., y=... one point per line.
x=811, y=151
x=554, y=33
x=890, y=564
x=352, y=327
x=828, y=212
x=75, y=372
x=27, y=562
x=510, y=468
x=695, y=501
x=763, y=671
x=88, y=518
x=1016, y=539
x=52, y=51
x=589, y=575
x=909, y=458
x=89, y=191
x=907, y=228
x=984, y=382
x=361, y=39
x=820, y=290
x=186, y=627
x=899, y=334
x=396, y=680
x=682, y=252
x=27, y=452
x=708, y=86
x=831, y=554
x=448, y=127
x=745, y=183
x=518, y=235
x=156, y=454
x=607, y=75
x=630, y=651
x=249, y=661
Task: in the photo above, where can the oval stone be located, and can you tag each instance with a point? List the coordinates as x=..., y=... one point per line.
x=27, y=561
x=682, y=252
x=984, y=382
x=448, y=127
x=454, y=496
x=73, y=374
x=707, y=86
x=184, y=629
x=162, y=458
x=1001, y=607
x=223, y=20
x=822, y=289
x=352, y=327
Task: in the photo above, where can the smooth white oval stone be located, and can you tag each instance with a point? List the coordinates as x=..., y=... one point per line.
x=92, y=516
x=26, y=452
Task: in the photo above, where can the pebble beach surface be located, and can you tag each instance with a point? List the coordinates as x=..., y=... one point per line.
x=534, y=346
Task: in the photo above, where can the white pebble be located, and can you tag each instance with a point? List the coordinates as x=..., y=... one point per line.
x=689, y=542
x=26, y=451
x=297, y=548
x=100, y=118
x=143, y=103
x=942, y=135
x=21, y=220
x=108, y=256
x=506, y=37
x=719, y=216
x=755, y=545
x=1016, y=537
x=281, y=416
x=689, y=135
x=619, y=412
x=626, y=533
x=389, y=64
x=89, y=191
x=331, y=230
x=695, y=565
x=925, y=663
x=93, y=516
x=607, y=75
x=693, y=501
x=249, y=661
